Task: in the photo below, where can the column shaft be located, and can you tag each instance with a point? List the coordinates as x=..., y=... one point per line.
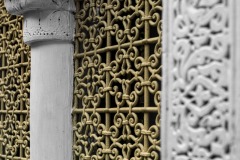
x=51, y=100
x=49, y=30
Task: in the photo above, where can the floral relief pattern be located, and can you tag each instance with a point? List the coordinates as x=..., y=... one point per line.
x=199, y=110
x=117, y=82
x=14, y=88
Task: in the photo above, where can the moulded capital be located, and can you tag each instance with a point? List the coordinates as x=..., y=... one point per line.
x=45, y=19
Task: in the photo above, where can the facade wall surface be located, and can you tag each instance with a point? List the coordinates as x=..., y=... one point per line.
x=117, y=80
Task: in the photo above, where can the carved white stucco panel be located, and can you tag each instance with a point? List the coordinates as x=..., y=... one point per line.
x=197, y=110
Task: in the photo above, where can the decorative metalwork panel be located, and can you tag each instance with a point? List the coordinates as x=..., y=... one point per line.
x=14, y=88
x=199, y=55
x=117, y=82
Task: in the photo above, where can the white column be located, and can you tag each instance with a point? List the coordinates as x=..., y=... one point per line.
x=201, y=87
x=48, y=29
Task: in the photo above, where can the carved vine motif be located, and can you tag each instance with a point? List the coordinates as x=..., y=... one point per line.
x=117, y=80
x=18, y=7
x=200, y=114
x=14, y=88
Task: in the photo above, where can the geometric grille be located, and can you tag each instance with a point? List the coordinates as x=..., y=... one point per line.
x=117, y=80
x=14, y=88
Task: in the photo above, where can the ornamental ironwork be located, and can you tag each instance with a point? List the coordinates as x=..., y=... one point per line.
x=117, y=80
x=14, y=88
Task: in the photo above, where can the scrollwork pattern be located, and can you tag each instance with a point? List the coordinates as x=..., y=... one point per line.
x=200, y=111
x=117, y=82
x=14, y=88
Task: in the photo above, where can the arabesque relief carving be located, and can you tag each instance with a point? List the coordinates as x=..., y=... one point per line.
x=199, y=74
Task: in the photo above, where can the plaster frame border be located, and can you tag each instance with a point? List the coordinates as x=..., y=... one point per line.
x=234, y=83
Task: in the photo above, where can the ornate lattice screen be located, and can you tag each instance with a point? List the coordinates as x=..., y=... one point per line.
x=116, y=110
x=14, y=88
